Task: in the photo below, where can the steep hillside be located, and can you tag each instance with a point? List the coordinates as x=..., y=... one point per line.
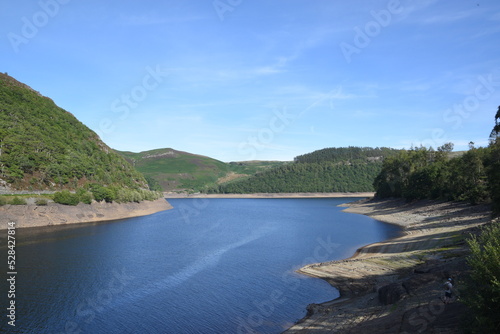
x=43, y=147
x=176, y=170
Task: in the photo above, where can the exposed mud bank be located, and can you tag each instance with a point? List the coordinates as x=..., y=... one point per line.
x=57, y=214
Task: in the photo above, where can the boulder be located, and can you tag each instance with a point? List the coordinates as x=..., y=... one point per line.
x=391, y=293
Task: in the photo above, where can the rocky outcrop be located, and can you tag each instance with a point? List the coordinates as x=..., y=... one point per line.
x=57, y=214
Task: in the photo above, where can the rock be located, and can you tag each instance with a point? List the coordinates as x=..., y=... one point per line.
x=422, y=270
x=434, y=317
x=391, y=293
x=413, y=283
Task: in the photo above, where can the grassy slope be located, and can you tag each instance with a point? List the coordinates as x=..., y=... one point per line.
x=177, y=170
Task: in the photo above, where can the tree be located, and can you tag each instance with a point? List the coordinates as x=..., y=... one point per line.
x=495, y=133
x=482, y=287
x=447, y=147
x=66, y=198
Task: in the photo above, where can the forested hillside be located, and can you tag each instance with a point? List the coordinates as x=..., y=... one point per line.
x=347, y=154
x=43, y=147
x=174, y=170
x=347, y=169
x=425, y=173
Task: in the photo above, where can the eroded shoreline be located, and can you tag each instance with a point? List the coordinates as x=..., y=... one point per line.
x=58, y=214
x=385, y=285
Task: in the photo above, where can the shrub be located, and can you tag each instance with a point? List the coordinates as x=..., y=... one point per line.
x=18, y=201
x=66, y=198
x=98, y=192
x=41, y=201
x=482, y=288
x=136, y=196
x=101, y=193
x=124, y=195
x=153, y=184
x=84, y=196
x=3, y=201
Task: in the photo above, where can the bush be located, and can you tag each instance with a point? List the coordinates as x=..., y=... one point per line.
x=482, y=287
x=66, y=198
x=136, y=196
x=101, y=193
x=125, y=195
x=153, y=184
x=18, y=201
x=41, y=201
x=84, y=196
x=3, y=201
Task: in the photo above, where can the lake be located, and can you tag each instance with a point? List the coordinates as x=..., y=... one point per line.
x=206, y=266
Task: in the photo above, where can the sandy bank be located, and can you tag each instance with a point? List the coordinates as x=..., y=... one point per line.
x=269, y=195
x=385, y=287
x=57, y=214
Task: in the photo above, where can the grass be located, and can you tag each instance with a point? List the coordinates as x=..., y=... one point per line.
x=21, y=199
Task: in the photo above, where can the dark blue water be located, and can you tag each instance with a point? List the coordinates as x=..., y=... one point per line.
x=207, y=266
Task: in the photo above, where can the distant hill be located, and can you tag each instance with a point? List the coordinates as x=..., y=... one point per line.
x=182, y=171
x=345, y=169
x=349, y=154
x=43, y=147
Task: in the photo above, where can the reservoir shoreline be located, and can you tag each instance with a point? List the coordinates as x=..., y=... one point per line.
x=269, y=195
x=57, y=214
x=411, y=266
x=54, y=214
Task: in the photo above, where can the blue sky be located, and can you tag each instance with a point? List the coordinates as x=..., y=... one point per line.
x=243, y=80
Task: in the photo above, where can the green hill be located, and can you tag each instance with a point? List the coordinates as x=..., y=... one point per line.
x=349, y=154
x=43, y=147
x=181, y=171
x=345, y=169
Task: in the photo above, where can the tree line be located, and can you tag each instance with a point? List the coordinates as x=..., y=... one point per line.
x=350, y=154
x=345, y=169
x=425, y=173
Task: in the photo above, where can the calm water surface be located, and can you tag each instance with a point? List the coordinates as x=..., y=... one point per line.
x=207, y=266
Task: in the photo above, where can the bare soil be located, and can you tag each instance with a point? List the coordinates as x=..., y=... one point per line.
x=231, y=176
x=58, y=214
